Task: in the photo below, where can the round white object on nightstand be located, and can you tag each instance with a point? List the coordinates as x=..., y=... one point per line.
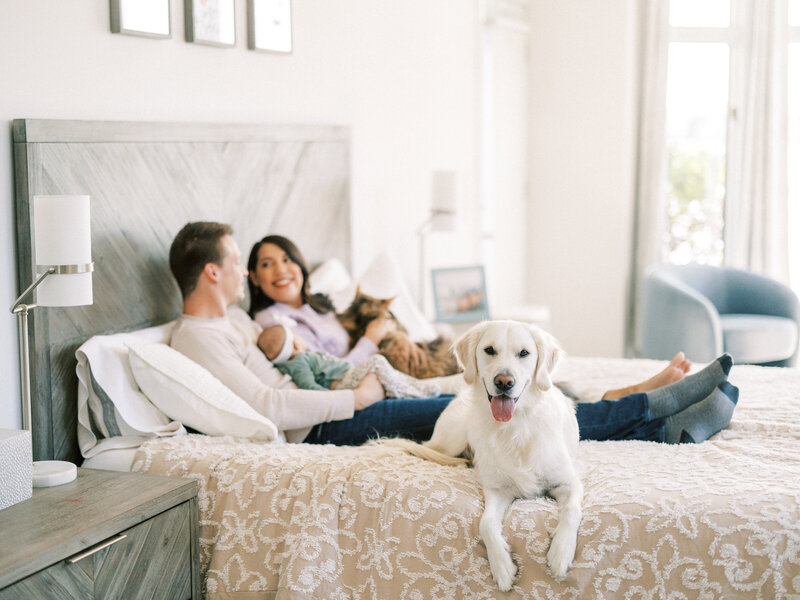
x=48, y=473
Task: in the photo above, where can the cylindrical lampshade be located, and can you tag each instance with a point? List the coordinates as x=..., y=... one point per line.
x=62, y=237
x=444, y=200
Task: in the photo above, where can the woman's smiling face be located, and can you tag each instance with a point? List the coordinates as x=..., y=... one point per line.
x=278, y=276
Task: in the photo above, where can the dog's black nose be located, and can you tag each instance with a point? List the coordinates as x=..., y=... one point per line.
x=504, y=382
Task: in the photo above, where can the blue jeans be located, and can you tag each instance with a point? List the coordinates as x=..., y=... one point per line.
x=623, y=419
x=412, y=418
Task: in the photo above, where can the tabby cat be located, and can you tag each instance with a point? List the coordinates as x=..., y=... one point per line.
x=363, y=309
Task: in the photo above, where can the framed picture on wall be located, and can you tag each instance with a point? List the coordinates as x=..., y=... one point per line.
x=269, y=25
x=149, y=18
x=460, y=294
x=210, y=22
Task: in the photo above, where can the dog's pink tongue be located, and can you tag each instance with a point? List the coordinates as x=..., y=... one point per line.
x=502, y=408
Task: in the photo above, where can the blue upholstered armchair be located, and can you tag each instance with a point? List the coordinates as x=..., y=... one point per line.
x=706, y=311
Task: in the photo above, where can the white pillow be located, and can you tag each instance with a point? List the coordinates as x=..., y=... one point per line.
x=382, y=279
x=112, y=411
x=333, y=279
x=190, y=394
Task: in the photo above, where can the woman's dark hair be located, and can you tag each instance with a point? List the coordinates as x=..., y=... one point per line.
x=259, y=300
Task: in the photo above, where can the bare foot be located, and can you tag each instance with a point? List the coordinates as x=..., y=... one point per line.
x=674, y=371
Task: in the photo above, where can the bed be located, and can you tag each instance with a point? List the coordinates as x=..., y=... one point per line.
x=715, y=520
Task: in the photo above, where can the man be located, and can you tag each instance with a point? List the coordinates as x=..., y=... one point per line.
x=206, y=262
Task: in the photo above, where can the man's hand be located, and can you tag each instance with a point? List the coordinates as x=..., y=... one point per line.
x=368, y=392
x=379, y=328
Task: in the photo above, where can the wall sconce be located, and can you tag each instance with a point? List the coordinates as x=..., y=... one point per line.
x=444, y=202
x=63, y=251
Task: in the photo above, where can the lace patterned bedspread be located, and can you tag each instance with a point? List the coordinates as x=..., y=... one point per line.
x=715, y=520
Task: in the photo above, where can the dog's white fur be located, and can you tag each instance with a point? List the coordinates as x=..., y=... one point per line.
x=531, y=454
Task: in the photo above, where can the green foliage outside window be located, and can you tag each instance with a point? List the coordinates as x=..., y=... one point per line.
x=695, y=201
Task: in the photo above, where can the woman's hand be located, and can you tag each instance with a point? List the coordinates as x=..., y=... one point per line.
x=299, y=344
x=379, y=328
x=368, y=392
x=411, y=355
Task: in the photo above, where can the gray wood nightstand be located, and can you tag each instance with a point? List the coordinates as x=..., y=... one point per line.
x=104, y=535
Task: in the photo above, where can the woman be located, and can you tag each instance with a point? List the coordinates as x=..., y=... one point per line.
x=278, y=283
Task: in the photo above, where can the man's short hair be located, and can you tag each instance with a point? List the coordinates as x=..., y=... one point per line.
x=196, y=245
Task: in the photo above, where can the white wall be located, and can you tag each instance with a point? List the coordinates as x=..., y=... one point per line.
x=581, y=169
x=403, y=75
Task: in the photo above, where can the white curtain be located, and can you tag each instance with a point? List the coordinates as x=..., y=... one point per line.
x=649, y=203
x=756, y=203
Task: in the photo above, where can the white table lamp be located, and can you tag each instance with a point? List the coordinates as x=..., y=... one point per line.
x=63, y=257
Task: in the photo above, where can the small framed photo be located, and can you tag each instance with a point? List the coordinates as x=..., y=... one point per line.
x=149, y=18
x=269, y=25
x=460, y=294
x=210, y=22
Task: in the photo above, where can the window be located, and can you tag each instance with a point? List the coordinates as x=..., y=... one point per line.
x=697, y=111
x=706, y=57
x=698, y=92
x=703, y=13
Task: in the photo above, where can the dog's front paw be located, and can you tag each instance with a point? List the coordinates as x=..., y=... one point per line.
x=503, y=570
x=560, y=555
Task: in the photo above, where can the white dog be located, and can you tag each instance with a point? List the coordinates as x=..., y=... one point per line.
x=521, y=431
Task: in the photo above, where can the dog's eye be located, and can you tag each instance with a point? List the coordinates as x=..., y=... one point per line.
x=523, y=353
x=490, y=350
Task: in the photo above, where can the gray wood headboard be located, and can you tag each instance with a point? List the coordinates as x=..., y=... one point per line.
x=146, y=180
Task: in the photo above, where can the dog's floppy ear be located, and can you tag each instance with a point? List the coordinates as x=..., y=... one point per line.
x=550, y=353
x=465, y=349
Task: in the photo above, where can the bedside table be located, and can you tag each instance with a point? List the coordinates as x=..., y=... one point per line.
x=104, y=535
